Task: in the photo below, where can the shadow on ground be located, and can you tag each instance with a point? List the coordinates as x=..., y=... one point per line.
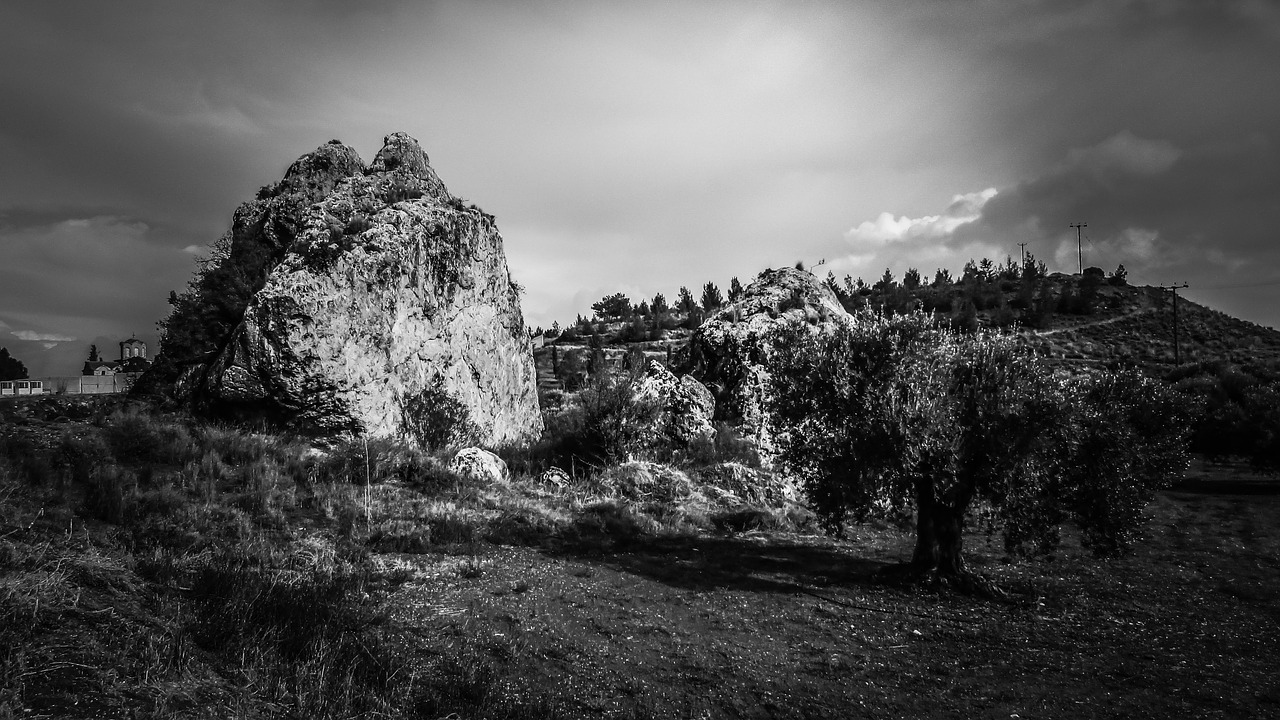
x=744, y=563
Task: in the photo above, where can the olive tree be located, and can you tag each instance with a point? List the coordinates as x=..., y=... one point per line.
x=890, y=416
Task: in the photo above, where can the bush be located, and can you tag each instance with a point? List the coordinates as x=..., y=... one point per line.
x=603, y=426
x=136, y=437
x=434, y=419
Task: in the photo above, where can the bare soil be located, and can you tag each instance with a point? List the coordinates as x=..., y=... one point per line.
x=795, y=626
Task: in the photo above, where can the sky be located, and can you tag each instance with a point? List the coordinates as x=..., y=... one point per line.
x=640, y=147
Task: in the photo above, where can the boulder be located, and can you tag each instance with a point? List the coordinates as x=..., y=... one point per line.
x=686, y=406
x=727, y=353
x=390, y=312
x=733, y=480
x=479, y=464
x=554, y=476
x=647, y=482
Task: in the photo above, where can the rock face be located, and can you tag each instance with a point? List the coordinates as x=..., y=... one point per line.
x=687, y=406
x=391, y=312
x=727, y=352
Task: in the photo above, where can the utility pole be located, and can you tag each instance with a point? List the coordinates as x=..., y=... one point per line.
x=1079, y=245
x=1177, y=355
x=1024, y=253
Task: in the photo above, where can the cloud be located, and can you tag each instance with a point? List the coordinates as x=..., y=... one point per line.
x=32, y=336
x=886, y=228
x=1123, y=153
x=1161, y=210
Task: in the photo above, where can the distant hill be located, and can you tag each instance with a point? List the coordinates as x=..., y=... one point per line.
x=1075, y=321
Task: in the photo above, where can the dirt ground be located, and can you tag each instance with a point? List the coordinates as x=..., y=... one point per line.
x=788, y=626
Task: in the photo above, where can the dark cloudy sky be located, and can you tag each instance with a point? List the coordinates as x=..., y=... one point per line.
x=642, y=146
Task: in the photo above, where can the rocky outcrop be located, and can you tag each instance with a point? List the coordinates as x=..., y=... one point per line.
x=686, y=406
x=727, y=352
x=390, y=313
x=262, y=231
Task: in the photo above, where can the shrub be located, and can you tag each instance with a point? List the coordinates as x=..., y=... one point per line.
x=434, y=419
x=109, y=495
x=136, y=437
x=604, y=425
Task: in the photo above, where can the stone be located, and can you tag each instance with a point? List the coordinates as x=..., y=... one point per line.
x=554, y=476
x=646, y=481
x=390, y=313
x=686, y=406
x=480, y=464
x=727, y=353
x=752, y=486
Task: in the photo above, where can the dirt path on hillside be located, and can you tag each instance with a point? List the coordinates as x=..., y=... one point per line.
x=1096, y=323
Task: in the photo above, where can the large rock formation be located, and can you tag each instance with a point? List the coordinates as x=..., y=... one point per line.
x=389, y=311
x=727, y=352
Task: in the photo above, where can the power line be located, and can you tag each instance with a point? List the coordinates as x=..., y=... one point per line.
x=1265, y=283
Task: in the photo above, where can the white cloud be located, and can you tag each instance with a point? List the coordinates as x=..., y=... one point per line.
x=886, y=228
x=32, y=336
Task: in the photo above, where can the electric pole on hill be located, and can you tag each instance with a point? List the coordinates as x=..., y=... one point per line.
x=1177, y=356
x=1079, y=245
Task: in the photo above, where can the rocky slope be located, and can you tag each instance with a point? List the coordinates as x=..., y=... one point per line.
x=391, y=313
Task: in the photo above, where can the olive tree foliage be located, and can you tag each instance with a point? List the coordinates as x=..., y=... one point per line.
x=892, y=415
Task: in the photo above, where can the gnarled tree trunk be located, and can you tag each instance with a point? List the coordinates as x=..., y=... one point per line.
x=939, y=551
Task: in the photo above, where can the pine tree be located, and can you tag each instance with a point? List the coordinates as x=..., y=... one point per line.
x=711, y=297
x=687, y=303
x=735, y=289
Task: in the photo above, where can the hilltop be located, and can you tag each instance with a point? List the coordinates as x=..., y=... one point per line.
x=1075, y=321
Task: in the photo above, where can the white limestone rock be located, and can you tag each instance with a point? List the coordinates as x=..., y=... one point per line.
x=480, y=464
x=686, y=405
x=727, y=353
x=392, y=311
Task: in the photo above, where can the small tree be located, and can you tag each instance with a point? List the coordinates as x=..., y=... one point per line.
x=886, y=282
x=711, y=297
x=611, y=307
x=911, y=279
x=10, y=367
x=93, y=353
x=687, y=304
x=659, y=304
x=735, y=289
x=897, y=414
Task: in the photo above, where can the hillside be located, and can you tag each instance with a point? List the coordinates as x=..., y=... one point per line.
x=1073, y=320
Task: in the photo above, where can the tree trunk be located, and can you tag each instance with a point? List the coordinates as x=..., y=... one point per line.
x=939, y=551
x=939, y=537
